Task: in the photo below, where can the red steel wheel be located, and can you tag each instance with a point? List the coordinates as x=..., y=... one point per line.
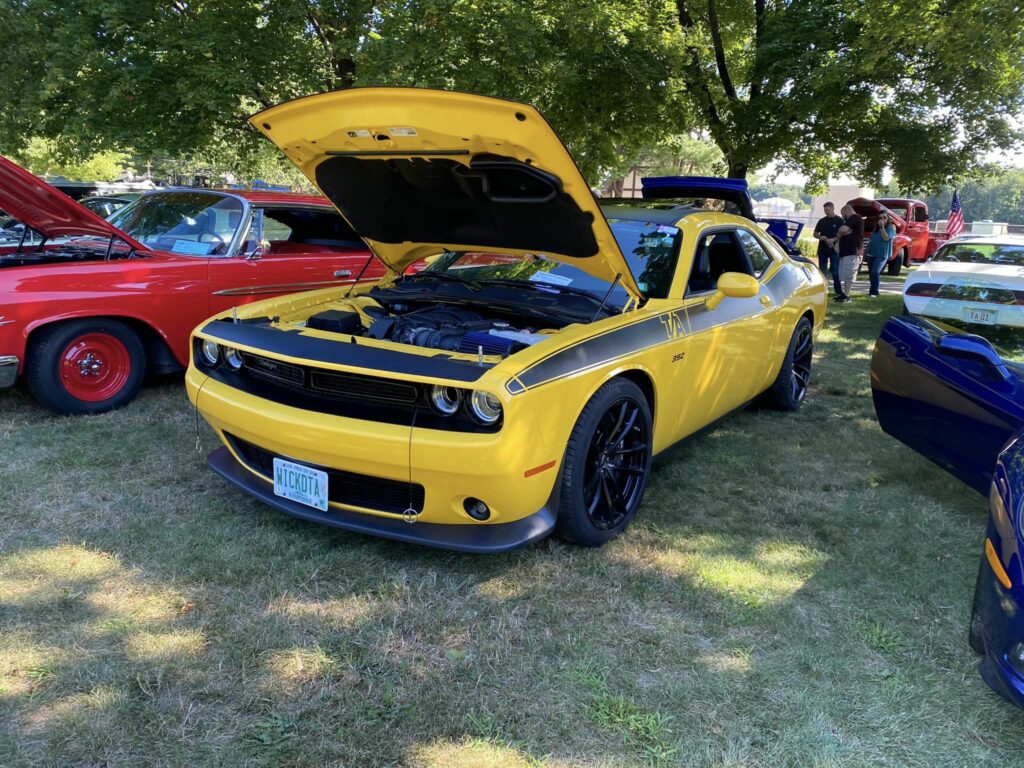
x=95, y=367
x=85, y=366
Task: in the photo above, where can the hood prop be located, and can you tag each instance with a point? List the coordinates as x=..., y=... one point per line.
x=606, y=295
x=359, y=277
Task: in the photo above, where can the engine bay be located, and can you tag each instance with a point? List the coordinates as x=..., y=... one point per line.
x=434, y=326
x=64, y=254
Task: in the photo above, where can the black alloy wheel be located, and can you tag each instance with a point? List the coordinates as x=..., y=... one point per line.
x=606, y=465
x=803, y=352
x=613, y=477
x=789, y=390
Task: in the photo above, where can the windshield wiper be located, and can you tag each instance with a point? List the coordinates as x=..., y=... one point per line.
x=471, y=284
x=537, y=285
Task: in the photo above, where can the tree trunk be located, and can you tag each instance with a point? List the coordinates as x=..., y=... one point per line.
x=737, y=170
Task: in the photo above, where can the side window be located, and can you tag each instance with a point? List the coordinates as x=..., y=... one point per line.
x=759, y=258
x=716, y=253
x=275, y=230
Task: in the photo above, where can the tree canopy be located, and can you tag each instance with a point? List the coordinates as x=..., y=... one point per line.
x=816, y=86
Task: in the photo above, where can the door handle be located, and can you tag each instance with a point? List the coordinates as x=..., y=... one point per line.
x=343, y=273
x=765, y=301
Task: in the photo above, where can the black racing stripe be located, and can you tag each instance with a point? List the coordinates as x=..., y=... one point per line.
x=599, y=350
x=730, y=310
x=785, y=283
x=654, y=331
x=319, y=350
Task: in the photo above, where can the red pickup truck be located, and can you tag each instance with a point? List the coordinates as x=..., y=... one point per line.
x=913, y=243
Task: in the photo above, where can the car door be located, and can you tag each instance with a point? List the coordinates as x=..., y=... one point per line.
x=917, y=231
x=948, y=396
x=731, y=347
x=288, y=250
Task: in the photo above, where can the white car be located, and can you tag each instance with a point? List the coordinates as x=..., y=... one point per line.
x=972, y=281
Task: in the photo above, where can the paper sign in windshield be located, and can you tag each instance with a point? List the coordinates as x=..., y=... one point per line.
x=548, y=277
x=191, y=247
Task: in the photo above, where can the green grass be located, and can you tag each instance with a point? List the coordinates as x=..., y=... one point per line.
x=795, y=592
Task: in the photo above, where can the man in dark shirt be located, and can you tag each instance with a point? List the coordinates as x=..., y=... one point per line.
x=825, y=231
x=851, y=246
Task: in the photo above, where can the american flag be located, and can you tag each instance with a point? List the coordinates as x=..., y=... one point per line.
x=955, y=222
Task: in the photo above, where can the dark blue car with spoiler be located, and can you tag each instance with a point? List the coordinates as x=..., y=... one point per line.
x=954, y=399
x=733, y=194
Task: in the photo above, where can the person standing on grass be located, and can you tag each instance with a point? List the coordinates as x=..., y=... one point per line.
x=850, y=242
x=879, y=250
x=825, y=231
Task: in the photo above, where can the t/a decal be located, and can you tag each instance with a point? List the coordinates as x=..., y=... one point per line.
x=673, y=324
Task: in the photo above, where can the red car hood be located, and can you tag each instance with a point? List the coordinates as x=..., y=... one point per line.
x=48, y=211
x=869, y=209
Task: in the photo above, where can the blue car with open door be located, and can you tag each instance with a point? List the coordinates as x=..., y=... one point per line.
x=733, y=195
x=955, y=399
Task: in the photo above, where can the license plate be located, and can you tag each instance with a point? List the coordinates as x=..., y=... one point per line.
x=300, y=483
x=981, y=316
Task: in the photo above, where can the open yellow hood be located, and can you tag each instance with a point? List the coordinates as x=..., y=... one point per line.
x=416, y=171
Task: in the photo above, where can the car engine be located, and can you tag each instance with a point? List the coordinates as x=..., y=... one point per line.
x=435, y=327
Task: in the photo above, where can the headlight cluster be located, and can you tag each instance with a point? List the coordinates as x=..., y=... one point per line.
x=482, y=406
x=213, y=353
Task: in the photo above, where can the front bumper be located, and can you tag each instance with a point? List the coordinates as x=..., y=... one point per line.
x=486, y=539
x=1003, y=622
x=9, y=365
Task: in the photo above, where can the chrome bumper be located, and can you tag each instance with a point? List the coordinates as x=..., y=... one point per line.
x=8, y=370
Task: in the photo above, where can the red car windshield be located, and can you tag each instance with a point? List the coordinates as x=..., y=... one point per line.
x=187, y=221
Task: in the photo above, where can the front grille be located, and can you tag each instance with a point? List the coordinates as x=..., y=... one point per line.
x=349, y=488
x=363, y=387
x=275, y=370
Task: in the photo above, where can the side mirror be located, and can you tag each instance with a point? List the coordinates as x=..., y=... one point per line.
x=733, y=285
x=968, y=346
x=255, y=253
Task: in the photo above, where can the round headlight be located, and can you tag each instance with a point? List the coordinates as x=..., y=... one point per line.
x=445, y=400
x=233, y=358
x=485, y=407
x=210, y=351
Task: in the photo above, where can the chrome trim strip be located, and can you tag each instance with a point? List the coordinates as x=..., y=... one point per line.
x=256, y=290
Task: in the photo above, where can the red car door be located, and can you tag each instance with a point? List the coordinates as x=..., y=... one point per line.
x=290, y=250
x=917, y=231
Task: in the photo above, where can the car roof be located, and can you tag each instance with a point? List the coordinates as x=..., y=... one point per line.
x=988, y=239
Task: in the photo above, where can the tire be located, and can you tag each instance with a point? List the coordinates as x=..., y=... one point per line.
x=85, y=366
x=789, y=390
x=607, y=462
x=975, y=632
x=895, y=266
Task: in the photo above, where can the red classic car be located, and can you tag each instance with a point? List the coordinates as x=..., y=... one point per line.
x=94, y=307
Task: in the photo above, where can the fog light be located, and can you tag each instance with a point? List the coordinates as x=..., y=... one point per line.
x=233, y=358
x=1016, y=658
x=210, y=351
x=476, y=509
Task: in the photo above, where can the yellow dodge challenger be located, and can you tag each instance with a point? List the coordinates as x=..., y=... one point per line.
x=521, y=381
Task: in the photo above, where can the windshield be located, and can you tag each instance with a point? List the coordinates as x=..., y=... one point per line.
x=651, y=251
x=189, y=222
x=982, y=253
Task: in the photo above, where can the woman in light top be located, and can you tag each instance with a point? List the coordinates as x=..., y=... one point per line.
x=879, y=250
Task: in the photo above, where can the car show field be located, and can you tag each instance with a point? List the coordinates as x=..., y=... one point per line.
x=794, y=590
